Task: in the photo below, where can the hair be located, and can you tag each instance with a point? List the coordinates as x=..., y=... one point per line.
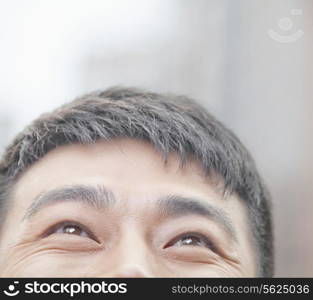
x=171, y=124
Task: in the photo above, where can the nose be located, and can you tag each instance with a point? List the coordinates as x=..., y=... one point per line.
x=131, y=257
x=131, y=271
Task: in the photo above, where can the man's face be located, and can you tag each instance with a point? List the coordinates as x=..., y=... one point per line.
x=114, y=209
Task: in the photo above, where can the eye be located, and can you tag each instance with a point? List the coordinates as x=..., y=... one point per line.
x=71, y=228
x=191, y=240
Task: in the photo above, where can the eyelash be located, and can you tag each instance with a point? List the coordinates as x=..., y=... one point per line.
x=51, y=230
x=207, y=241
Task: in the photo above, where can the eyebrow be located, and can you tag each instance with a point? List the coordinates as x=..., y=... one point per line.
x=178, y=206
x=99, y=197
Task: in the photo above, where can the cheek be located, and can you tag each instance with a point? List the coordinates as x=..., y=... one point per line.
x=48, y=265
x=60, y=265
x=202, y=270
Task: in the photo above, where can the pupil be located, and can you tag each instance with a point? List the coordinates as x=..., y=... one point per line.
x=71, y=230
x=191, y=240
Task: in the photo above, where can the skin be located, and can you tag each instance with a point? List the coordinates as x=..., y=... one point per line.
x=132, y=237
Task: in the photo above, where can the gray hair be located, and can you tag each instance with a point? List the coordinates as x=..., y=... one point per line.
x=170, y=123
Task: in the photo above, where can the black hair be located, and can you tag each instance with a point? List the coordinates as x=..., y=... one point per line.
x=170, y=123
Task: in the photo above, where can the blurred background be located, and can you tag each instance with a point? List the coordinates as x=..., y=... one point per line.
x=250, y=62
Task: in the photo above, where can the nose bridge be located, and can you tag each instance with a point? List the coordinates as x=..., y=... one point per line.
x=132, y=257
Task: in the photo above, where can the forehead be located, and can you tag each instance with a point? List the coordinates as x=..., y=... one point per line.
x=132, y=169
x=127, y=166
